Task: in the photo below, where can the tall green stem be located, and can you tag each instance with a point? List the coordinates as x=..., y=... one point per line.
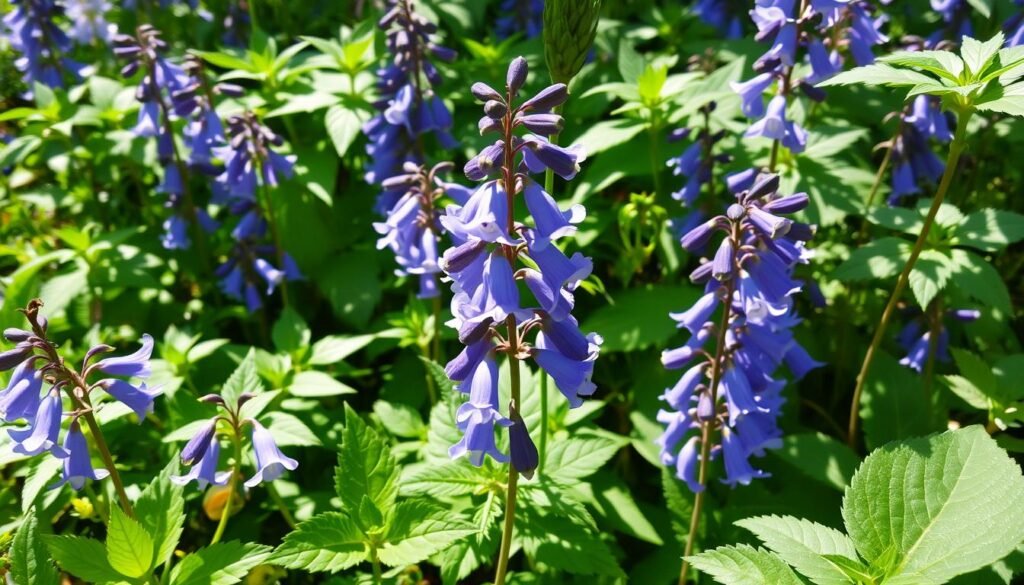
x=955, y=150
x=275, y=232
x=706, y=430
x=108, y=461
x=232, y=484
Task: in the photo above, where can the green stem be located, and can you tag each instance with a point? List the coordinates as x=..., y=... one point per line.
x=934, y=313
x=253, y=23
x=437, y=329
x=281, y=505
x=108, y=460
x=268, y=206
x=543, y=446
x=232, y=484
x=956, y=148
x=707, y=428
x=656, y=162
x=378, y=578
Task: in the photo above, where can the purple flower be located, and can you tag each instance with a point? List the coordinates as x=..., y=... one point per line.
x=77, y=465
x=90, y=22
x=138, y=398
x=20, y=400
x=571, y=376
x=44, y=429
x=477, y=417
x=134, y=365
x=270, y=461
x=40, y=43
x=204, y=470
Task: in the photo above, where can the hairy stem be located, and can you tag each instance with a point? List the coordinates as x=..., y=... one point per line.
x=956, y=148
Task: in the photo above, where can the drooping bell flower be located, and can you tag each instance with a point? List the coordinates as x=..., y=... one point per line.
x=271, y=463
x=134, y=365
x=44, y=429
x=78, y=465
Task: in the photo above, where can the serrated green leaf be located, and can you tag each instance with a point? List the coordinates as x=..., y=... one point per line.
x=222, y=563
x=978, y=55
x=984, y=8
x=327, y=542
x=366, y=466
x=855, y=570
x=936, y=486
x=820, y=457
x=744, y=565
x=129, y=546
x=930, y=275
x=941, y=63
x=400, y=419
x=420, y=529
x=85, y=558
x=288, y=430
x=29, y=560
x=455, y=478
x=243, y=379
x=881, y=258
x=578, y=457
x=990, y=230
x=161, y=511
x=801, y=544
x=554, y=535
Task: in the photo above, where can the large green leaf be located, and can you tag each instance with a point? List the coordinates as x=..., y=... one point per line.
x=801, y=543
x=745, y=565
x=243, y=379
x=161, y=511
x=129, y=546
x=327, y=542
x=578, y=457
x=820, y=457
x=222, y=563
x=420, y=529
x=85, y=558
x=366, y=467
x=882, y=258
x=944, y=505
x=639, y=318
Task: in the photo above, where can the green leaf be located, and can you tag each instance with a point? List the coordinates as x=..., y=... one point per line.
x=365, y=466
x=19, y=285
x=942, y=63
x=967, y=391
x=744, y=565
x=314, y=384
x=400, y=419
x=631, y=63
x=29, y=561
x=977, y=278
x=334, y=348
x=243, y=379
x=327, y=542
x=878, y=74
x=897, y=218
x=420, y=529
x=552, y=533
x=921, y=497
x=227, y=61
x=129, y=546
x=456, y=478
x=801, y=543
x=344, y=125
x=930, y=275
x=40, y=475
x=856, y=571
x=990, y=230
x=984, y=8
x=978, y=55
x=881, y=258
x=288, y=430
x=85, y=558
x=290, y=332
x=820, y=457
x=577, y=457
x=161, y=511
x=607, y=134
x=222, y=563
x=637, y=318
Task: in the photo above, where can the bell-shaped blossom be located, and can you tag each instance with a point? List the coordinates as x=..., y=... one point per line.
x=44, y=429
x=21, y=398
x=571, y=376
x=138, y=398
x=477, y=417
x=204, y=470
x=77, y=466
x=271, y=463
x=134, y=365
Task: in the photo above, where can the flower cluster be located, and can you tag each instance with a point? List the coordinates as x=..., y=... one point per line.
x=912, y=155
x=408, y=106
x=40, y=380
x=697, y=160
x=484, y=266
x=251, y=167
x=916, y=336
x=41, y=44
x=202, y=452
x=820, y=33
x=733, y=388
x=412, y=228
x=165, y=91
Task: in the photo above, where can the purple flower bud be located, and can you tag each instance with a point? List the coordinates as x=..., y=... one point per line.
x=788, y=204
x=723, y=266
x=197, y=446
x=516, y=76
x=212, y=399
x=458, y=258
x=801, y=232
x=765, y=184
x=488, y=124
x=680, y=395
x=15, y=335
x=543, y=124
x=741, y=181
x=484, y=92
x=443, y=53
x=772, y=226
x=484, y=163
x=20, y=400
x=16, y=355
x=495, y=109
x=204, y=472
x=547, y=99
x=468, y=359
x=521, y=448
x=966, y=315
x=699, y=236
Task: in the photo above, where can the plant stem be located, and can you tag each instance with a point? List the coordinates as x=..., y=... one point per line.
x=956, y=147
x=108, y=461
x=275, y=233
x=378, y=578
x=543, y=446
x=232, y=484
x=934, y=313
x=281, y=505
x=707, y=428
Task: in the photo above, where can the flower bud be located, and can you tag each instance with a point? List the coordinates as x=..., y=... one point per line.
x=516, y=76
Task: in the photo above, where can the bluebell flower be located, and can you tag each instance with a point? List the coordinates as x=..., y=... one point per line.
x=477, y=417
x=204, y=470
x=1014, y=26
x=775, y=126
x=134, y=365
x=138, y=398
x=89, y=20
x=20, y=400
x=271, y=463
x=522, y=451
x=957, y=16
x=43, y=431
x=572, y=376
x=915, y=337
x=77, y=466
x=40, y=43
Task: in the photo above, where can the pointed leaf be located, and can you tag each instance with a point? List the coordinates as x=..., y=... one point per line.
x=223, y=563
x=801, y=543
x=129, y=546
x=420, y=529
x=29, y=560
x=366, y=466
x=327, y=542
x=744, y=565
